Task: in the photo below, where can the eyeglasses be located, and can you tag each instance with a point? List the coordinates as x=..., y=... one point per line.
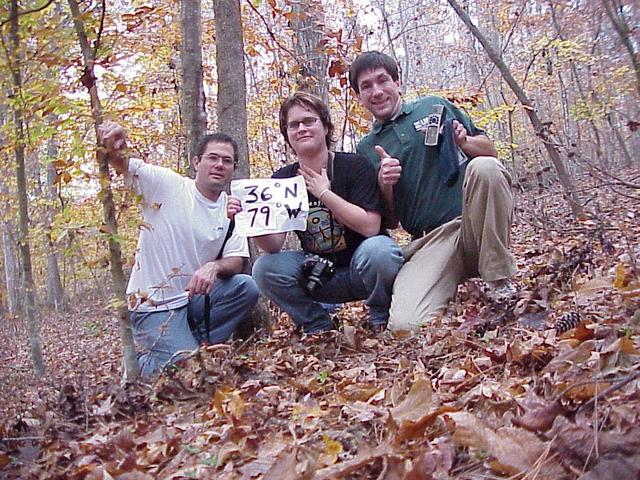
x=306, y=121
x=214, y=158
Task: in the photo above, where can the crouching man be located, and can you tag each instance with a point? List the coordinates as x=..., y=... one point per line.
x=186, y=286
x=445, y=186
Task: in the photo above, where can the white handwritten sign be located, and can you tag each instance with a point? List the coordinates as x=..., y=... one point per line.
x=271, y=205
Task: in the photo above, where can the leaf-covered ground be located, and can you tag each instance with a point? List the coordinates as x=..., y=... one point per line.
x=549, y=389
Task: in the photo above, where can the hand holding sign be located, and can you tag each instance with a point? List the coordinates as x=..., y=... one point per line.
x=234, y=206
x=269, y=205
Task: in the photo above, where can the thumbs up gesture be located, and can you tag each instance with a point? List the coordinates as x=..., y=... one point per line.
x=390, y=169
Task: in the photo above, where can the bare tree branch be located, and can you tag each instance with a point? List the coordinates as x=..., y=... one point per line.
x=25, y=12
x=271, y=34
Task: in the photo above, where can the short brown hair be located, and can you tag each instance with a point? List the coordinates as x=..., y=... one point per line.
x=310, y=102
x=371, y=61
x=218, y=138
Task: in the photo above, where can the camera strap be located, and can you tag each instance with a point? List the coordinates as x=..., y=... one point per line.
x=193, y=325
x=206, y=314
x=331, y=223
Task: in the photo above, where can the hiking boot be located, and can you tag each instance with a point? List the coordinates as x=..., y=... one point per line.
x=377, y=328
x=502, y=292
x=376, y=320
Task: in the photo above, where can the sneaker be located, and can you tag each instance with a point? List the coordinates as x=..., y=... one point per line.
x=502, y=292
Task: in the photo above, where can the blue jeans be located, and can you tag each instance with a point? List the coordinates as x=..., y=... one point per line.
x=161, y=334
x=369, y=277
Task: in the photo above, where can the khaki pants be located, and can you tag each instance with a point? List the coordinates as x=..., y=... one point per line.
x=475, y=244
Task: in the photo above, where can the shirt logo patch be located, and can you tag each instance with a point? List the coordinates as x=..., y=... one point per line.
x=421, y=124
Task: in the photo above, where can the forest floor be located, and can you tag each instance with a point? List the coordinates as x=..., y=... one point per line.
x=549, y=389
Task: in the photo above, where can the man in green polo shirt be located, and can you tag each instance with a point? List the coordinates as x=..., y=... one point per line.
x=454, y=198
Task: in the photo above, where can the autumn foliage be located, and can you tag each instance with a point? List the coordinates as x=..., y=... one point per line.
x=482, y=391
x=548, y=389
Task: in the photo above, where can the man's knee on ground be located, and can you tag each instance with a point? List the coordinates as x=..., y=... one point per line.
x=152, y=364
x=410, y=321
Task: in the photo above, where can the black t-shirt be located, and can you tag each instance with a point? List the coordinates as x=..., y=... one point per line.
x=354, y=180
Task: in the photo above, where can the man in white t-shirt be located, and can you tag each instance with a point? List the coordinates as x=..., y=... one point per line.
x=186, y=286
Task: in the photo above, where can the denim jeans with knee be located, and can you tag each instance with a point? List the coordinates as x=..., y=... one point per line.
x=369, y=276
x=160, y=335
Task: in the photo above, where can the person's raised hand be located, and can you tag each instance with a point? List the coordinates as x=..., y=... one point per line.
x=112, y=136
x=234, y=206
x=390, y=168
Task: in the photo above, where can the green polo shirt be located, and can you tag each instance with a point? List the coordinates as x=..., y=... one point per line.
x=421, y=200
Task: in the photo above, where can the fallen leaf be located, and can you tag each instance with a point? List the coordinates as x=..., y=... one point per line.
x=614, y=466
x=581, y=392
x=364, y=457
x=620, y=276
x=351, y=337
x=259, y=466
x=416, y=411
x=284, y=466
x=331, y=447
x=593, y=286
x=516, y=450
x=539, y=418
x=580, y=354
x=439, y=460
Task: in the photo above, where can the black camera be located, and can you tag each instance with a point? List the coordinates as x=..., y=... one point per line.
x=315, y=271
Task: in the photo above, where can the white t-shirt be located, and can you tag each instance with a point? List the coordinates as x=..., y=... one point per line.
x=182, y=231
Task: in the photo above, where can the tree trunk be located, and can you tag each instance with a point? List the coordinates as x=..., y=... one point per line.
x=11, y=267
x=541, y=131
x=232, y=103
x=9, y=238
x=55, y=292
x=21, y=180
x=307, y=21
x=576, y=79
x=628, y=162
x=614, y=12
x=109, y=211
x=382, y=6
x=232, y=86
x=192, y=93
